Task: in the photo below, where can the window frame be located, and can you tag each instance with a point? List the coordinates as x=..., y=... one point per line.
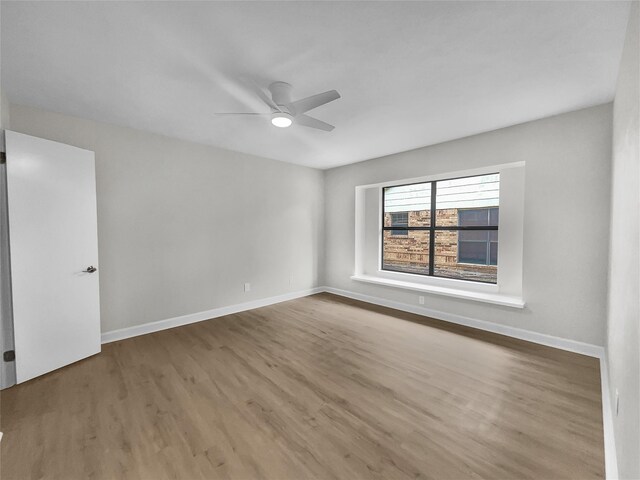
x=433, y=228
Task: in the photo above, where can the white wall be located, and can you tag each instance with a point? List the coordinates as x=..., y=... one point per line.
x=567, y=190
x=623, y=340
x=182, y=226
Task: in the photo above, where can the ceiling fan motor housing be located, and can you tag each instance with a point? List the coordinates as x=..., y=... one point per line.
x=281, y=94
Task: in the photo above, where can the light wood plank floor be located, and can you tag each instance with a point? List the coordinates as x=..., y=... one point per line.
x=319, y=387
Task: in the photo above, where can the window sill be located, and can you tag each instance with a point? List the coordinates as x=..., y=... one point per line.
x=494, y=298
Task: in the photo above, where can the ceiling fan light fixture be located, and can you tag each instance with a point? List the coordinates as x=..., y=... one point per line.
x=281, y=119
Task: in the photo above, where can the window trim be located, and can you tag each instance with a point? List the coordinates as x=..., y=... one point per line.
x=495, y=298
x=433, y=228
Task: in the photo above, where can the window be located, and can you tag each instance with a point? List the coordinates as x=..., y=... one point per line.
x=444, y=228
x=400, y=219
x=478, y=247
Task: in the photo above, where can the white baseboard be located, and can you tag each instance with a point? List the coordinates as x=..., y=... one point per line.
x=540, y=338
x=610, y=458
x=136, y=330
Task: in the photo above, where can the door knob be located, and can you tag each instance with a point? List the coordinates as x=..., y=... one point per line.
x=90, y=269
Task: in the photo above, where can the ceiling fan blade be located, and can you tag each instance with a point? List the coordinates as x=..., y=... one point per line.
x=314, y=101
x=239, y=113
x=308, y=121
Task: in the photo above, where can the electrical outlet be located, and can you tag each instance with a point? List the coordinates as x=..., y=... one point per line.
x=247, y=287
x=617, y=402
x=421, y=299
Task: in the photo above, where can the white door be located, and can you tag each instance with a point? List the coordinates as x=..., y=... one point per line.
x=53, y=236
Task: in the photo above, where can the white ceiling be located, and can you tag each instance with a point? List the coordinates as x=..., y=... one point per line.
x=410, y=74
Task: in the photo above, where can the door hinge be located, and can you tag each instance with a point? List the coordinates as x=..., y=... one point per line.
x=3, y=158
x=9, y=356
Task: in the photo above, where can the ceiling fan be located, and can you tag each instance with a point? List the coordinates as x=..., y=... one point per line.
x=284, y=111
